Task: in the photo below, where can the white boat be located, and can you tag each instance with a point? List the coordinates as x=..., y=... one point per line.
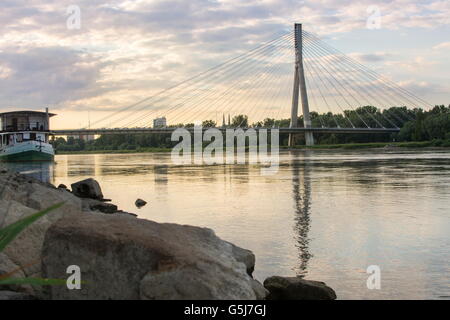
x=25, y=135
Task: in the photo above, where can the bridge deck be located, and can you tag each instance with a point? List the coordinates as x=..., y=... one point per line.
x=68, y=132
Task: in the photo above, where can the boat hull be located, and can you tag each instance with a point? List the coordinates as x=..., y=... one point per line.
x=28, y=151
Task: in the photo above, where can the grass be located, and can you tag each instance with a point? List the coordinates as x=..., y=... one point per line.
x=373, y=145
x=370, y=145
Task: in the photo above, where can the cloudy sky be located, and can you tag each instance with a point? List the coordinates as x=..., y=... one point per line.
x=120, y=51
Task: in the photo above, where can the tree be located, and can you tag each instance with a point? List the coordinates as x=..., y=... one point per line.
x=209, y=124
x=240, y=120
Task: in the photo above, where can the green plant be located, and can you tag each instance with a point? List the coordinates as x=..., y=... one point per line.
x=9, y=233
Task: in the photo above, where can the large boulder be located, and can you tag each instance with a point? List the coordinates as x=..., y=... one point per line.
x=128, y=258
x=245, y=256
x=295, y=288
x=20, y=197
x=11, y=270
x=88, y=188
x=11, y=295
x=260, y=292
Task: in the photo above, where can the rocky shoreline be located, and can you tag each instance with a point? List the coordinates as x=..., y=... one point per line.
x=123, y=257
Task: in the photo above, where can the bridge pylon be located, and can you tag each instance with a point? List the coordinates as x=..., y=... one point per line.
x=300, y=87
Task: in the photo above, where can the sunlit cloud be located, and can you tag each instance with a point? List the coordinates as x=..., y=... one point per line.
x=127, y=50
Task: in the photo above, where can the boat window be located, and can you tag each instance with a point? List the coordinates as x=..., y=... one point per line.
x=33, y=136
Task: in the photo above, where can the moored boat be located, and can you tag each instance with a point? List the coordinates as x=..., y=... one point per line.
x=25, y=135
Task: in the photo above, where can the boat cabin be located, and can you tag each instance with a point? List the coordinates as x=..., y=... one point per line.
x=22, y=126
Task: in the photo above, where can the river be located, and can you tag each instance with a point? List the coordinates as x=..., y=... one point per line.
x=326, y=215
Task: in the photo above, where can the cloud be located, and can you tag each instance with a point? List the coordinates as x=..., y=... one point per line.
x=371, y=57
x=443, y=45
x=39, y=76
x=127, y=50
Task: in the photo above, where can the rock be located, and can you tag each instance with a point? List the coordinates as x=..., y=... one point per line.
x=96, y=205
x=260, y=292
x=9, y=267
x=140, y=203
x=18, y=199
x=128, y=258
x=294, y=288
x=11, y=295
x=121, y=212
x=245, y=256
x=88, y=188
x=62, y=186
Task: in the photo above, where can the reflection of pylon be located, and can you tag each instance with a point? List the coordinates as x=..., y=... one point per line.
x=223, y=120
x=229, y=120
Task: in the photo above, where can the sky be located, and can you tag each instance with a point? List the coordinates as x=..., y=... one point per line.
x=85, y=59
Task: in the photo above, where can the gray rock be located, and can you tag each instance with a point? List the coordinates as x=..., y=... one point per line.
x=140, y=203
x=97, y=205
x=14, y=271
x=88, y=188
x=129, y=214
x=245, y=256
x=294, y=288
x=11, y=295
x=122, y=257
x=260, y=292
x=20, y=197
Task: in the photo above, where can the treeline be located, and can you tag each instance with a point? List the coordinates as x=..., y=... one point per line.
x=415, y=125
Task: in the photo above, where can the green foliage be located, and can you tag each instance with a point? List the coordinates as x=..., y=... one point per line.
x=426, y=126
x=209, y=124
x=240, y=120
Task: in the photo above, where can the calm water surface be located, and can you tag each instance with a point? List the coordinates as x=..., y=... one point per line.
x=326, y=215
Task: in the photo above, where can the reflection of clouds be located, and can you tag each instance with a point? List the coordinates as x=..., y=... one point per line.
x=369, y=207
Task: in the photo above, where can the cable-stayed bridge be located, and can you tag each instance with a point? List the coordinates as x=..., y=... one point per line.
x=260, y=84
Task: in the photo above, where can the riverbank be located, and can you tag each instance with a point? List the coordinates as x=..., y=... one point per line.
x=139, y=150
x=431, y=145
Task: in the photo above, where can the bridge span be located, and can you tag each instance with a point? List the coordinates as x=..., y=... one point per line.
x=74, y=132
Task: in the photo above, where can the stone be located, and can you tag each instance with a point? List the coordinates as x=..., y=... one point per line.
x=245, y=256
x=11, y=295
x=7, y=267
x=121, y=257
x=18, y=199
x=97, y=205
x=260, y=292
x=121, y=212
x=295, y=288
x=88, y=188
x=140, y=203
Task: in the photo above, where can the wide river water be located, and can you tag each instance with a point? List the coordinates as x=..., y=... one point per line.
x=326, y=215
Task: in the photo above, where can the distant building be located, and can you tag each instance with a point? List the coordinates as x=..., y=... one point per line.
x=160, y=122
x=85, y=137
